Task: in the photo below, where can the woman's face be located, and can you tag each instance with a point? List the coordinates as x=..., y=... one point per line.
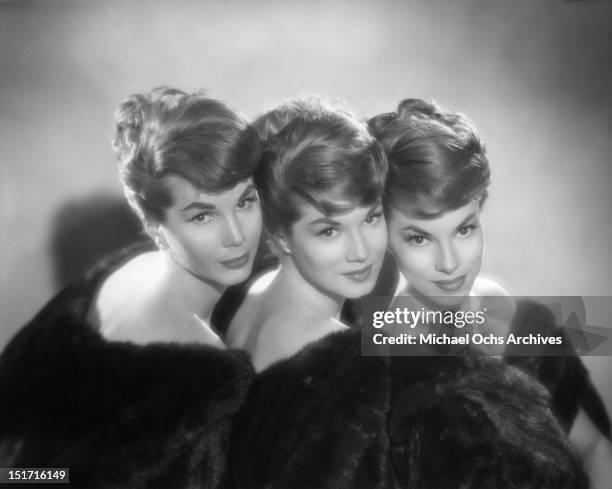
x=339, y=255
x=213, y=236
x=440, y=257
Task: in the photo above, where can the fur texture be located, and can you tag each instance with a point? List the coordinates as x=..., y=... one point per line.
x=316, y=420
x=329, y=418
x=564, y=375
x=115, y=413
x=474, y=422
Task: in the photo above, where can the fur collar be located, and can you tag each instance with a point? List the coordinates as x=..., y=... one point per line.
x=116, y=413
x=317, y=419
x=560, y=370
x=330, y=418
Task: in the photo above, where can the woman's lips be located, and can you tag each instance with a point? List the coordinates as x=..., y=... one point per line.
x=238, y=262
x=360, y=275
x=450, y=285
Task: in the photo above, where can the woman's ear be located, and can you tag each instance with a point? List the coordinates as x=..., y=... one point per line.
x=154, y=230
x=281, y=241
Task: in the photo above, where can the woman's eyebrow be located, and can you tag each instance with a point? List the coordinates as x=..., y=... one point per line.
x=417, y=229
x=207, y=206
x=199, y=206
x=466, y=220
x=247, y=191
x=323, y=220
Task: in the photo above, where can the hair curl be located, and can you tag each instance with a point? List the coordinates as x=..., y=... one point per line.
x=316, y=153
x=437, y=161
x=170, y=132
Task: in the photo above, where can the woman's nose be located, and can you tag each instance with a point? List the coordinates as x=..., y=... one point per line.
x=233, y=235
x=358, y=249
x=447, y=260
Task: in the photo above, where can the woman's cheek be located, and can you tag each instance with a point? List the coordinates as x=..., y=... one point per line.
x=253, y=222
x=251, y=231
x=380, y=238
x=417, y=261
x=307, y=251
x=475, y=250
x=204, y=242
x=396, y=246
x=334, y=252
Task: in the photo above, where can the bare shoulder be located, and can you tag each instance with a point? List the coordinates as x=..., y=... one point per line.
x=130, y=274
x=488, y=287
x=121, y=285
x=241, y=325
x=262, y=283
x=495, y=298
x=284, y=334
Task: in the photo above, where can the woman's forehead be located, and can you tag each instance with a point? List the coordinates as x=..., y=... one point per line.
x=185, y=193
x=406, y=215
x=309, y=214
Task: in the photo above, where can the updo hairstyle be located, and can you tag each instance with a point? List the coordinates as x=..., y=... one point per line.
x=316, y=153
x=193, y=136
x=437, y=161
x=271, y=122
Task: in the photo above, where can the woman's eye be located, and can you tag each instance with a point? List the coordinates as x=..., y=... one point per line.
x=417, y=240
x=246, y=203
x=202, y=218
x=373, y=218
x=466, y=230
x=328, y=232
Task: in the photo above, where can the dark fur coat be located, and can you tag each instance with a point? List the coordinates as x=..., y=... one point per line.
x=115, y=413
x=564, y=376
x=329, y=418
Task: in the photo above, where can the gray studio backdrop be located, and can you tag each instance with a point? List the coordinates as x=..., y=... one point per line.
x=535, y=76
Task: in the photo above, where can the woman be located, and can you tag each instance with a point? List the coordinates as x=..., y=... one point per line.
x=121, y=377
x=327, y=226
x=438, y=182
x=318, y=413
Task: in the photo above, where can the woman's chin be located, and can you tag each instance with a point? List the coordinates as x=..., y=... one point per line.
x=233, y=277
x=358, y=291
x=448, y=301
x=237, y=278
x=437, y=302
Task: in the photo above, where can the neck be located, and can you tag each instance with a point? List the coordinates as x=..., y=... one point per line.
x=187, y=291
x=310, y=302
